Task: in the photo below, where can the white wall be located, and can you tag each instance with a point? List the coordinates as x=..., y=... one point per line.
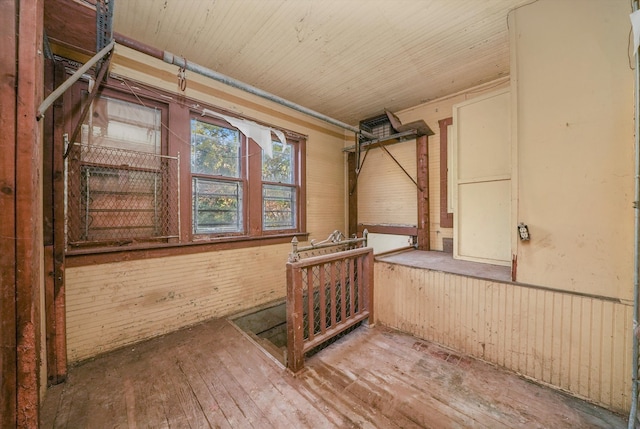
x=573, y=89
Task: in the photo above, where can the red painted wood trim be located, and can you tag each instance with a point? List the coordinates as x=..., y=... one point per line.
x=58, y=367
x=422, y=157
x=353, y=194
x=8, y=78
x=387, y=229
x=295, y=349
x=28, y=208
x=105, y=256
x=253, y=208
x=446, y=219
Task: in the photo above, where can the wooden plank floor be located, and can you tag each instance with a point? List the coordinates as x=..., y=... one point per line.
x=213, y=376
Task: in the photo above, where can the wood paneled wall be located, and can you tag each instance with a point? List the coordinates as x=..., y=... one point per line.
x=575, y=343
x=116, y=304
x=385, y=194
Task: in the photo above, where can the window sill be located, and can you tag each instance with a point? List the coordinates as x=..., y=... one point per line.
x=95, y=256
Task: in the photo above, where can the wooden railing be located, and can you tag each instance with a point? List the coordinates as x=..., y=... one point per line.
x=326, y=295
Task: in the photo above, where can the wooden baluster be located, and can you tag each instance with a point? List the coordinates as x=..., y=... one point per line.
x=343, y=291
x=322, y=290
x=310, y=302
x=333, y=293
x=352, y=267
x=361, y=288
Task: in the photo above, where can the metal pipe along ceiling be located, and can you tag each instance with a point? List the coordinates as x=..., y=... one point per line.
x=170, y=58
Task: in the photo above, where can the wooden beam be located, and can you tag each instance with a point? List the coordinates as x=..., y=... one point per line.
x=28, y=206
x=8, y=77
x=422, y=157
x=446, y=218
x=387, y=229
x=78, y=33
x=353, y=193
x=56, y=321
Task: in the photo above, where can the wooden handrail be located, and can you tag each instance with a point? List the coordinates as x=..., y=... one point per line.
x=339, y=285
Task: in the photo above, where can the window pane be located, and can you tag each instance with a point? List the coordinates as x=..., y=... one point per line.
x=215, y=150
x=278, y=168
x=123, y=125
x=217, y=206
x=278, y=207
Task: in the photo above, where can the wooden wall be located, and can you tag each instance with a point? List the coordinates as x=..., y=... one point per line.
x=573, y=342
x=385, y=194
x=115, y=304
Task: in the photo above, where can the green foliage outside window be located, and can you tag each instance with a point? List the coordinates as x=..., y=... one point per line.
x=215, y=150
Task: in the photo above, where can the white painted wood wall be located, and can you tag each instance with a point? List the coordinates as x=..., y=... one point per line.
x=575, y=343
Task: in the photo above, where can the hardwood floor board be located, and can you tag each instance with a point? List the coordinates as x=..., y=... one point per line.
x=249, y=378
x=217, y=385
x=351, y=412
x=207, y=401
x=403, y=399
x=299, y=413
x=211, y=375
x=331, y=380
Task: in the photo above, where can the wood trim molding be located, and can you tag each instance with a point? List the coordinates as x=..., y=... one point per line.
x=446, y=218
x=422, y=159
x=104, y=256
x=387, y=229
x=353, y=193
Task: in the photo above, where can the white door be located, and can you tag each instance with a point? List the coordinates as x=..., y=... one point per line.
x=482, y=179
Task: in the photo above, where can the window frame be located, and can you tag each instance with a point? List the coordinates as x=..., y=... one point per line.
x=176, y=115
x=294, y=185
x=242, y=179
x=76, y=98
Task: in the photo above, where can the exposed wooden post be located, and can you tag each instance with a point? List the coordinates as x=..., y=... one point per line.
x=367, y=268
x=353, y=194
x=446, y=218
x=295, y=345
x=8, y=78
x=57, y=343
x=422, y=157
x=28, y=208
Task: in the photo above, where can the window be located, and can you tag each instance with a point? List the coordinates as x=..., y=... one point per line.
x=237, y=189
x=217, y=179
x=120, y=188
x=146, y=172
x=279, y=188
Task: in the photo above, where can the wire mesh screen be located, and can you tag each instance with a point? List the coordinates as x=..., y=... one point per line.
x=119, y=196
x=331, y=295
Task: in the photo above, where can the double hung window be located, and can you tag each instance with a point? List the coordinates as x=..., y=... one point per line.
x=217, y=176
x=237, y=188
x=279, y=190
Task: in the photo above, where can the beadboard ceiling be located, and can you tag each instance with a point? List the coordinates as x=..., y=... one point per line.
x=348, y=59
